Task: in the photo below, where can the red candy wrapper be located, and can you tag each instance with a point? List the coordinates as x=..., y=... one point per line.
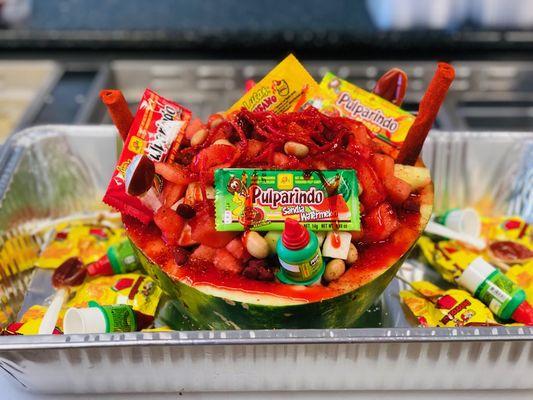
x=157, y=131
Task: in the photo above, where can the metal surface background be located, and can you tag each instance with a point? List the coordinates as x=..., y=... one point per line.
x=53, y=171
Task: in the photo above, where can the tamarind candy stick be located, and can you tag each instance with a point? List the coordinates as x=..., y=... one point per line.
x=391, y=86
x=118, y=110
x=248, y=85
x=427, y=113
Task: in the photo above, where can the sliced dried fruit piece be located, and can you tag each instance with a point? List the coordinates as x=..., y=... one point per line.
x=173, y=172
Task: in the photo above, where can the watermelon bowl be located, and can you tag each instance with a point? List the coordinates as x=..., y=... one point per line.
x=206, y=283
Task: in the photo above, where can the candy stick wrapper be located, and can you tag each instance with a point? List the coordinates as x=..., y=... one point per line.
x=157, y=130
x=118, y=109
x=435, y=307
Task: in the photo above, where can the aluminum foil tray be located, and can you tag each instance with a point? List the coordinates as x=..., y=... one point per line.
x=52, y=171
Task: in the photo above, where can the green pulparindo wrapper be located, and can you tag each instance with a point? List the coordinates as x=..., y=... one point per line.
x=261, y=200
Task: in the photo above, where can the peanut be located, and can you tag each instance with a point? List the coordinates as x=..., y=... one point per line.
x=352, y=254
x=199, y=137
x=334, y=270
x=223, y=141
x=256, y=245
x=215, y=120
x=296, y=149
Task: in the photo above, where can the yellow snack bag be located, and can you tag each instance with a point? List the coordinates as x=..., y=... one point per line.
x=435, y=307
x=285, y=88
x=522, y=275
x=507, y=228
x=31, y=321
x=136, y=290
x=88, y=242
x=387, y=121
x=448, y=257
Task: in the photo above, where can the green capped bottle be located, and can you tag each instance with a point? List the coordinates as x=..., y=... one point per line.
x=299, y=255
x=119, y=259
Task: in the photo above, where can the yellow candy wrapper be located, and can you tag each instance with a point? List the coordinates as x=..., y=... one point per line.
x=30, y=322
x=448, y=257
x=138, y=291
x=88, y=242
x=286, y=88
x=522, y=275
x=387, y=121
x=507, y=228
x=435, y=307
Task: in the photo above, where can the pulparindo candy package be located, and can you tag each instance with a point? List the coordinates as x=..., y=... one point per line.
x=385, y=120
x=263, y=199
x=157, y=131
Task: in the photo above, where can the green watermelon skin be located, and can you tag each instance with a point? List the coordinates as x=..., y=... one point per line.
x=203, y=311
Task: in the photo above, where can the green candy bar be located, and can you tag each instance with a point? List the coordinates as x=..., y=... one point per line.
x=261, y=200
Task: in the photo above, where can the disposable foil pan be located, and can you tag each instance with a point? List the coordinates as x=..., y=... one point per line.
x=53, y=171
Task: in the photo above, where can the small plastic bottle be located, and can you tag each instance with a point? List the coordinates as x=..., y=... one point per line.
x=120, y=259
x=299, y=255
x=100, y=319
x=503, y=296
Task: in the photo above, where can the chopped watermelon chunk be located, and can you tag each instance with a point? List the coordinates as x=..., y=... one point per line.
x=373, y=190
x=380, y=223
x=170, y=224
x=213, y=157
x=172, y=192
x=204, y=252
x=226, y=262
x=383, y=166
x=203, y=230
x=237, y=250
x=397, y=189
x=253, y=148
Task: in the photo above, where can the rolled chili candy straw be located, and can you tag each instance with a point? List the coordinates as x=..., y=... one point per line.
x=427, y=112
x=248, y=85
x=391, y=86
x=118, y=110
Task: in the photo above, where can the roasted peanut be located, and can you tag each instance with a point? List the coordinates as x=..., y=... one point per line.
x=256, y=245
x=334, y=270
x=296, y=149
x=223, y=141
x=199, y=137
x=352, y=254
